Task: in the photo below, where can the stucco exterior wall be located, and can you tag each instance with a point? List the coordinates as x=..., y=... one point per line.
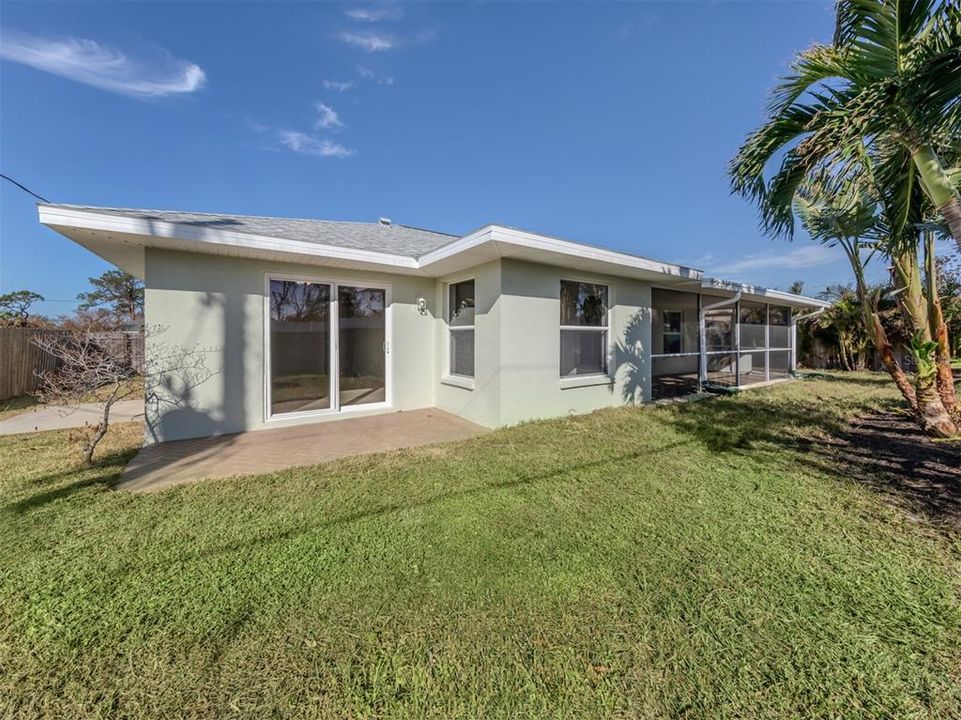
x=531, y=386
x=478, y=401
x=215, y=307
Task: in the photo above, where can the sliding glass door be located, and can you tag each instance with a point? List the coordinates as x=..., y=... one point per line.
x=362, y=337
x=327, y=346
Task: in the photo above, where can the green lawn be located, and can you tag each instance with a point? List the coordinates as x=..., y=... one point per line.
x=687, y=561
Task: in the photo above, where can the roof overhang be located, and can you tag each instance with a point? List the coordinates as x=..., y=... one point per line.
x=122, y=240
x=494, y=242
x=760, y=294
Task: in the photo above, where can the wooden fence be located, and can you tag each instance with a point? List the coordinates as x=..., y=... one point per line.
x=21, y=360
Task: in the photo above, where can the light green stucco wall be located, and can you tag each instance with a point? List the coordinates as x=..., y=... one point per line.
x=215, y=305
x=531, y=386
x=517, y=353
x=482, y=404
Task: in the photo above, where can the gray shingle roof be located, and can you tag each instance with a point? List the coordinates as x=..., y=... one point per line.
x=376, y=237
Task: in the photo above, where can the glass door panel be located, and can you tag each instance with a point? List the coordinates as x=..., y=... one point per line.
x=362, y=334
x=300, y=322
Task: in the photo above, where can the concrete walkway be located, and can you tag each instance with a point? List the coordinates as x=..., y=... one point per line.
x=167, y=464
x=57, y=417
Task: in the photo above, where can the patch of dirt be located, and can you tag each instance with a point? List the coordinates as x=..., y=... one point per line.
x=888, y=452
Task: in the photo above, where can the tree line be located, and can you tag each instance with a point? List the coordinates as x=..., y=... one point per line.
x=114, y=302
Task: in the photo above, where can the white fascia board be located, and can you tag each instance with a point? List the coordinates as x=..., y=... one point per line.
x=498, y=234
x=478, y=237
x=763, y=292
x=64, y=217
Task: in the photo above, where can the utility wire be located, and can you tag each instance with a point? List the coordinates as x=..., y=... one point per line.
x=24, y=188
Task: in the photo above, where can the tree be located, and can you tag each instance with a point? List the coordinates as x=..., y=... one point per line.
x=892, y=77
x=847, y=214
x=840, y=216
x=865, y=126
x=86, y=367
x=118, y=292
x=843, y=323
x=15, y=306
x=91, y=368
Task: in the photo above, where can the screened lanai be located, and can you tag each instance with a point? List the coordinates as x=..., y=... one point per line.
x=717, y=340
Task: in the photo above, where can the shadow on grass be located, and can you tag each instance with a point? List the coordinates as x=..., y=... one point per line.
x=378, y=511
x=878, y=380
x=883, y=450
x=887, y=452
x=105, y=472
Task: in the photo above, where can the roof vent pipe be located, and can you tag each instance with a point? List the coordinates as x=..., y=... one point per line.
x=384, y=221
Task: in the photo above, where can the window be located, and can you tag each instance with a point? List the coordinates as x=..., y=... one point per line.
x=672, y=332
x=583, y=328
x=460, y=322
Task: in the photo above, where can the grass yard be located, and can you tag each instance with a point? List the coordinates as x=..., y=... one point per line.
x=15, y=406
x=702, y=560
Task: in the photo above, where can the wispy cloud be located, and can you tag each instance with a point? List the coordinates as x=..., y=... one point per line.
x=375, y=15
x=805, y=256
x=327, y=117
x=338, y=86
x=88, y=62
x=369, y=74
x=369, y=41
x=304, y=144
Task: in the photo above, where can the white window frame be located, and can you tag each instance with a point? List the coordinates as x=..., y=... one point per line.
x=335, y=408
x=679, y=333
x=450, y=377
x=587, y=378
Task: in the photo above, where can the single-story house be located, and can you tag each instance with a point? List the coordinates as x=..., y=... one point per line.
x=301, y=321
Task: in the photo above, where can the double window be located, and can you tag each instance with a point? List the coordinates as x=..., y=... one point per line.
x=460, y=322
x=584, y=328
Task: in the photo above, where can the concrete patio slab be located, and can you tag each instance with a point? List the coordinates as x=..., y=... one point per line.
x=59, y=417
x=168, y=464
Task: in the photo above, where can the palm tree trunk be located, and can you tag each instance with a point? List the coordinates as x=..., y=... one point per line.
x=872, y=324
x=906, y=278
x=939, y=330
x=935, y=419
x=891, y=364
x=936, y=183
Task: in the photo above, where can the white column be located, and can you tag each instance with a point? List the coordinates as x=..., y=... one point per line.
x=767, y=342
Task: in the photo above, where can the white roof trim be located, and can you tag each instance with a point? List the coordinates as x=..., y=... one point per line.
x=522, y=238
x=493, y=235
x=763, y=292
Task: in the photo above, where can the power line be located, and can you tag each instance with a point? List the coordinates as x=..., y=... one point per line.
x=24, y=188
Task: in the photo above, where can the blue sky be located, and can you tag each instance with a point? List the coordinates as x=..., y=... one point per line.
x=608, y=123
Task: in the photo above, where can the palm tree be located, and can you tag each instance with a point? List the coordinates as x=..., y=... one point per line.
x=891, y=78
x=847, y=215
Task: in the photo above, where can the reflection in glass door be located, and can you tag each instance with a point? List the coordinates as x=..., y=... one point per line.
x=362, y=340
x=300, y=322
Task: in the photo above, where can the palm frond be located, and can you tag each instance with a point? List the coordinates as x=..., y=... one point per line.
x=817, y=64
